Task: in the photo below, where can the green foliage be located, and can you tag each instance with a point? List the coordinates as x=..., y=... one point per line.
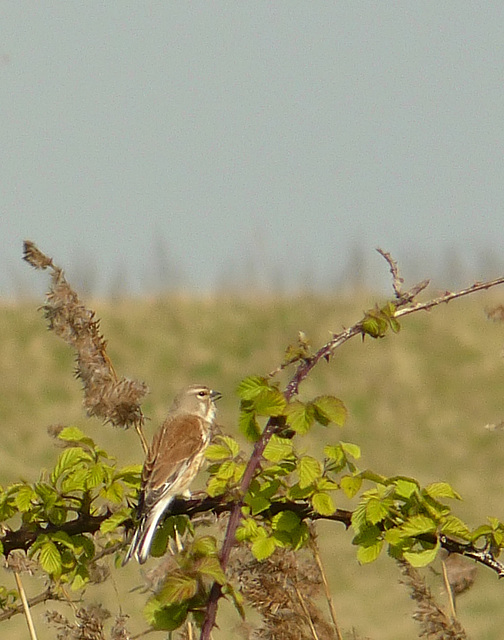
x=259, y=398
x=398, y=512
x=84, y=480
x=185, y=588
x=378, y=321
x=227, y=466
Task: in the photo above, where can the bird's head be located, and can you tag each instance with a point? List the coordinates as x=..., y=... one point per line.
x=198, y=400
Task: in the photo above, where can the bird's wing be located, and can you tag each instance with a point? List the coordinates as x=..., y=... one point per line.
x=174, y=447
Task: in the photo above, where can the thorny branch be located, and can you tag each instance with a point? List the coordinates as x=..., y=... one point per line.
x=23, y=539
x=404, y=305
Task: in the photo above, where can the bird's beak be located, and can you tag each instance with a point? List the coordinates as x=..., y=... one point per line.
x=215, y=395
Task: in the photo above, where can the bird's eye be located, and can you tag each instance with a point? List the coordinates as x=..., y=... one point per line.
x=202, y=394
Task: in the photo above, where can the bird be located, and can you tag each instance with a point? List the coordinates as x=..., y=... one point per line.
x=172, y=461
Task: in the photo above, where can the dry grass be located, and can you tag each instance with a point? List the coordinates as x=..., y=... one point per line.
x=418, y=404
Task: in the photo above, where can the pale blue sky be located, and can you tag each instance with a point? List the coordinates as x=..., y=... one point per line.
x=274, y=136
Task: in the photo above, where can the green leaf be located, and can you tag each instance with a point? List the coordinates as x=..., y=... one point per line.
x=285, y=521
x=95, y=475
x=247, y=530
x=441, y=490
x=211, y=567
x=81, y=578
x=483, y=530
x=74, y=434
x=204, y=546
x=369, y=553
x=263, y=547
x=116, y=520
x=295, y=492
x=323, y=503
x=329, y=409
x=130, y=474
x=216, y=486
x=405, y=488
x=251, y=387
x=376, y=510
x=165, y=618
x=68, y=460
x=394, y=325
x=24, y=496
x=278, y=449
x=63, y=538
x=113, y=493
x=232, y=445
x=217, y=452
x=309, y=470
x=300, y=417
x=435, y=508
x=453, y=526
x=351, y=485
x=257, y=503
x=270, y=402
x=421, y=558
x=247, y=424
x=50, y=558
x=47, y=494
x=177, y=587
x=236, y=597
x=325, y=484
x=335, y=453
x=353, y=450
x=417, y=525
x=377, y=321
x=226, y=470
x=394, y=536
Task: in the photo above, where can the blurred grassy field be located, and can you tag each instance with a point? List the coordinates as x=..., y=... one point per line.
x=418, y=405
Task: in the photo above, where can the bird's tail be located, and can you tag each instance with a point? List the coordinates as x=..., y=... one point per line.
x=142, y=538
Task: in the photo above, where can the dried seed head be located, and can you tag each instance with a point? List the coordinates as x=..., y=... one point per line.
x=112, y=399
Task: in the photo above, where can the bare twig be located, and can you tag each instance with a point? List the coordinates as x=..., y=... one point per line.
x=26, y=606
x=397, y=281
x=448, y=296
x=46, y=595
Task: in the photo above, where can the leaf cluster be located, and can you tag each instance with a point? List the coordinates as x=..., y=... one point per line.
x=85, y=481
x=186, y=586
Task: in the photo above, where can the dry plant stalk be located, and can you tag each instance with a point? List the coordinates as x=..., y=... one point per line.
x=114, y=400
x=88, y=624
x=327, y=591
x=26, y=606
x=282, y=589
x=434, y=622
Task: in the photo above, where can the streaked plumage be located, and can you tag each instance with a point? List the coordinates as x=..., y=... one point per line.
x=173, y=460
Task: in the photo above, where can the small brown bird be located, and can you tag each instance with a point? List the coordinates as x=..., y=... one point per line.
x=173, y=460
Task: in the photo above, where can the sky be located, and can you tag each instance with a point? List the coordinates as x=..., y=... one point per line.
x=148, y=145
